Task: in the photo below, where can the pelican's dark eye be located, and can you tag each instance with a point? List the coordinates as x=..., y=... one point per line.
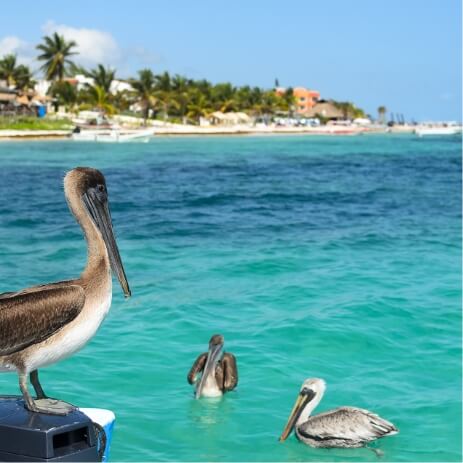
x=100, y=188
x=305, y=390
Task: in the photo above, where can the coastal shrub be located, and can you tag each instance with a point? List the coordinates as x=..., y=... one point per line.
x=34, y=123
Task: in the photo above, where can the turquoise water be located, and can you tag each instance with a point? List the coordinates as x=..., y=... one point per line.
x=336, y=257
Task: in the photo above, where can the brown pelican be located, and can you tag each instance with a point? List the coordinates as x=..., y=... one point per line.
x=344, y=427
x=44, y=324
x=219, y=370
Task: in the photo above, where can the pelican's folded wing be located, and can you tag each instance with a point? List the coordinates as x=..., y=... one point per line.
x=28, y=318
x=230, y=371
x=197, y=368
x=350, y=424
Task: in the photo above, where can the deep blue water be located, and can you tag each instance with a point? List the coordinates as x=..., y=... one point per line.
x=331, y=257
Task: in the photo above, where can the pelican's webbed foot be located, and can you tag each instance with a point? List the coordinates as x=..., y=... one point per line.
x=378, y=452
x=43, y=404
x=52, y=407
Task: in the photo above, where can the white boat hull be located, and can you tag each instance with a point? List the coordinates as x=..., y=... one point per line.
x=426, y=131
x=113, y=136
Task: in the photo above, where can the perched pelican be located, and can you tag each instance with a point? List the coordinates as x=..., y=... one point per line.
x=344, y=427
x=44, y=324
x=219, y=370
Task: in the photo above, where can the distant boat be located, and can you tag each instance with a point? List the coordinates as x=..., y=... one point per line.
x=113, y=136
x=425, y=131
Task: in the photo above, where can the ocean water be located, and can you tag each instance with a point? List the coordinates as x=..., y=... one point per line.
x=331, y=257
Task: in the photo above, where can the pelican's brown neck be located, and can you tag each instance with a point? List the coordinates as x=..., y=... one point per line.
x=97, y=254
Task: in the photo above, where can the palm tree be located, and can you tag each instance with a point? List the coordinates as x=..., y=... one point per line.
x=289, y=99
x=348, y=109
x=222, y=95
x=73, y=69
x=102, y=77
x=163, y=100
x=145, y=88
x=271, y=102
x=122, y=100
x=19, y=76
x=64, y=93
x=8, y=69
x=101, y=99
x=180, y=96
x=198, y=104
x=163, y=82
x=382, y=113
x=23, y=78
x=228, y=105
x=55, y=54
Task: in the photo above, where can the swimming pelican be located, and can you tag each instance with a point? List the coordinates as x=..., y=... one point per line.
x=344, y=427
x=43, y=324
x=219, y=371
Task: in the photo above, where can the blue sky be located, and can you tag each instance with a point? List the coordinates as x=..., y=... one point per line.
x=403, y=54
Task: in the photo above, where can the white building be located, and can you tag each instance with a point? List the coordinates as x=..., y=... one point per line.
x=120, y=86
x=80, y=81
x=41, y=87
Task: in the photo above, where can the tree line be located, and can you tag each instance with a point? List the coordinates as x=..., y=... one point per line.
x=165, y=96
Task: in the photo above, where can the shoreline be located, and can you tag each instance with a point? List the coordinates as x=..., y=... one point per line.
x=34, y=134
x=216, y=131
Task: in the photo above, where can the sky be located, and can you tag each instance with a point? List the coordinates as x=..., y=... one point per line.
x=403, y=54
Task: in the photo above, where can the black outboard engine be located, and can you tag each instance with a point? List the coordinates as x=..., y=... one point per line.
x=28, y=436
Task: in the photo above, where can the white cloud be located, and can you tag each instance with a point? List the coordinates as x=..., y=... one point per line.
x=24, y=51
x=10, y=44
x=94, y=46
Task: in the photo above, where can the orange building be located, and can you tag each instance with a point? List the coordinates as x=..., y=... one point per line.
x=305, y=98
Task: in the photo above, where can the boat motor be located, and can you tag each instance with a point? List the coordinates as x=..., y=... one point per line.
x=82, y=435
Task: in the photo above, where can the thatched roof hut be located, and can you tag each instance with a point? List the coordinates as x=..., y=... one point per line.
x=7, y=95
x=326, y=109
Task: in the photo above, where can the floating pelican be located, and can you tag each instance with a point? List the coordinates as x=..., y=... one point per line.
x=344, y=427
x=219, y=370
x=44, y=324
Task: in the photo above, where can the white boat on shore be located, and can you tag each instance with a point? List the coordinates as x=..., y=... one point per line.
x=426, y=131
x=113, y=136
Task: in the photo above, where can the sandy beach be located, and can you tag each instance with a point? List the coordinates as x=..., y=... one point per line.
x=177, y=130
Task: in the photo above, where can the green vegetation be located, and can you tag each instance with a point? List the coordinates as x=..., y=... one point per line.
x=159, y=96
x=103, y=77
x=145, y=88
x=382, y=114
x=34, y=123
x=15, y=75
x=349, y=110
x=55, y=54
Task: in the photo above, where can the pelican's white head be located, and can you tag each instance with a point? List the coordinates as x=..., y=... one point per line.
x=310, y=394
x=317, y=385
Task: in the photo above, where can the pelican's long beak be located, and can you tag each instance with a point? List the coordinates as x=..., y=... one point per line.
x=99, y=211
x=213, y=357
x=301, y=401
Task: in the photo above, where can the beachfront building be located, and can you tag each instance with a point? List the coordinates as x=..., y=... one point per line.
x=81, y=81
x=120, y=86
x=7, y=95
x=42, y=86
x=20, y=103
x=305, y=99
x=327, y=110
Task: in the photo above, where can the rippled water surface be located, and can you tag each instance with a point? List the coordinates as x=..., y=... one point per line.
x=334, y=257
